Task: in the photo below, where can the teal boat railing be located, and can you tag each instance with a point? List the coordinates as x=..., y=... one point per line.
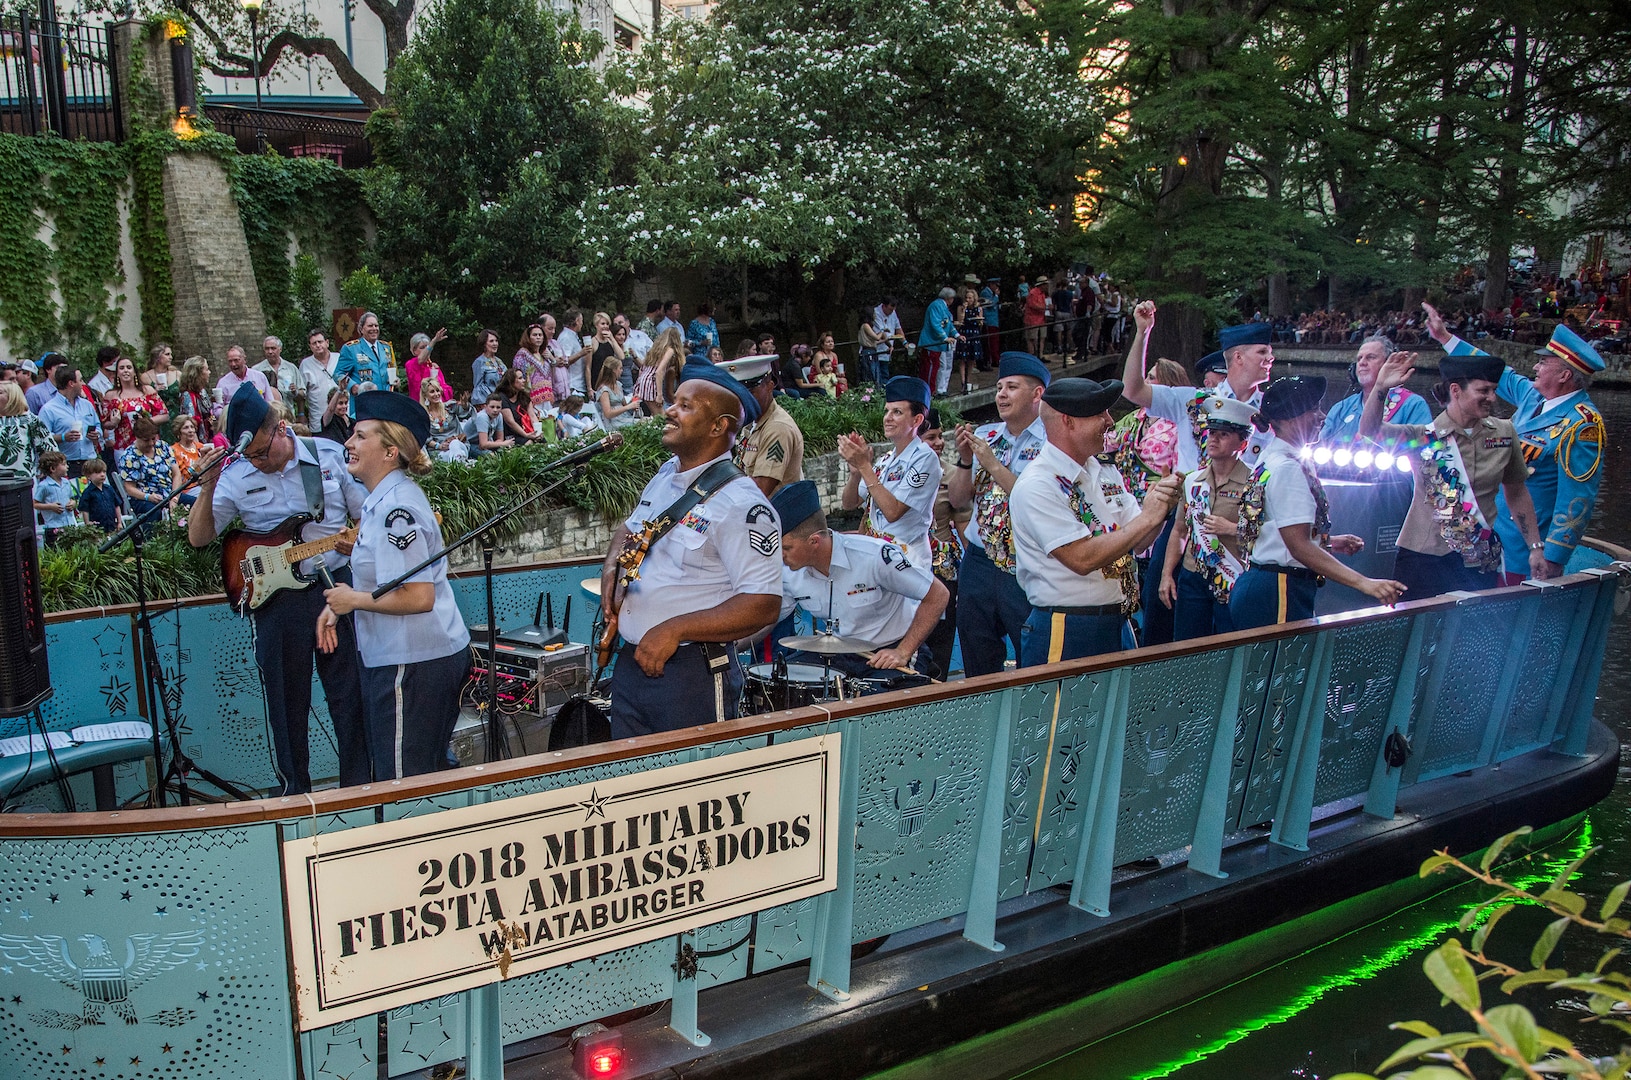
x=154, y=943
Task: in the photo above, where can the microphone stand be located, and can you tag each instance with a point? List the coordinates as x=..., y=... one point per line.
x=497, y=746
x=148, y=659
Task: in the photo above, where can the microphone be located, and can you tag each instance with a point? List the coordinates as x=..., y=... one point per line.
x=243, y=442
x=583, y=454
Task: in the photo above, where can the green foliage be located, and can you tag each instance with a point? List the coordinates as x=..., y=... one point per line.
x=896, y=135
x=75, y=575
x=1508, y=1032
x=76, y=188
x=310, y=201
x=149, y=235
x=306, y=289
x=362, y=288
x=491, y=145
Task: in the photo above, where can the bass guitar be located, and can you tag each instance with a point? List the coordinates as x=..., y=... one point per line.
x=255, y=566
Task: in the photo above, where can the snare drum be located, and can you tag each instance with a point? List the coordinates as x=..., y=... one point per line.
x=804, y=684
x=881, y=682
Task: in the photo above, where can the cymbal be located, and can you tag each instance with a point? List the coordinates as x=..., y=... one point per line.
x=826, y=644
x=590, y=585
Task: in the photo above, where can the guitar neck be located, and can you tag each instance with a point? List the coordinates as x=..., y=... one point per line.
x=301, y=552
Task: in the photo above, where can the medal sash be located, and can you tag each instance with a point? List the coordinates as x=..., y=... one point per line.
x=1218, y=564
x=1460, y=521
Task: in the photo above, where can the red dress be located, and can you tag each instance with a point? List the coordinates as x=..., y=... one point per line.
x=119, y=413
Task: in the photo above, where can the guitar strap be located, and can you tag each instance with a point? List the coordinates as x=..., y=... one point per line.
x=712, y=479
x=311, y=477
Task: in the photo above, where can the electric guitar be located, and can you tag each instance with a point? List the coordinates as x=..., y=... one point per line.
x=255, y=566
x=635, y=547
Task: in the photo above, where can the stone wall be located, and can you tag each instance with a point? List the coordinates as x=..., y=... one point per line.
x=567, y=533
x=217, y=304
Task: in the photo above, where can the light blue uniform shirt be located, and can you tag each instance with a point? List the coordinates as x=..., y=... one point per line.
x=1342, y=422
x=1017, y=452
x=265, y=500
x=398, y=530
x=913, y=477
x=871, y=588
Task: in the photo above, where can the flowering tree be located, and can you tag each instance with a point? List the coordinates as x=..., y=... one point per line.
x=828, y=135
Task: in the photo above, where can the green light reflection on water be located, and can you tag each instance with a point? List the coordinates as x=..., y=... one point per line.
x=1358, y=973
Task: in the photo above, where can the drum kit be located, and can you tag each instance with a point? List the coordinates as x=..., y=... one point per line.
x=778, y=684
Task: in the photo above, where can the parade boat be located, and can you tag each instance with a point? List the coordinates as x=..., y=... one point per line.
x=823, y=891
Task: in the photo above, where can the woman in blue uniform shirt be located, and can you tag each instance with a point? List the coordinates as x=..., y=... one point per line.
x=412, y=641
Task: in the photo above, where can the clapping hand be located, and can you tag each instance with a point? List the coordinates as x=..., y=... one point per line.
x=855, y=450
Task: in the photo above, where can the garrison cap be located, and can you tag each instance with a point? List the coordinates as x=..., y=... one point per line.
x=907, y=388
x=796, y=503
x=245, y=412
x=396, y=408
x=1081, y=397
x=1292, y=396
x=1252, y=333
x=716, y=374
x=1572, y=349
x=1022, y=363
x=1457, y=368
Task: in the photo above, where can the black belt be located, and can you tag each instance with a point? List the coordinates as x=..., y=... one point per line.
x=1290, y=571
x=1091, y=611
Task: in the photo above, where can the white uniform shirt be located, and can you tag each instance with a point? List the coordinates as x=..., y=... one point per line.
x=397, y=530
x=320, y=385
x=913, y=477
x=1044, y=521
x=874, y=589
x=1172, y=403
x=265, y=500
x=568, y=343
x=728, y=546
x=1020, y=452
x=100, y=382
x=1287, y=500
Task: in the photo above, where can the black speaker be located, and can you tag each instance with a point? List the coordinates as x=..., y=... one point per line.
x=25, y=676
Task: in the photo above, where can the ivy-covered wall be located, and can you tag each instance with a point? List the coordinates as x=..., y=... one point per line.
x=85, y=250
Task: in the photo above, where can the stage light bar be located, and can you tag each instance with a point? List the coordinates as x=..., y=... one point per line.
x=1342, y=458
x=1402, y=463
x=1362, y=459
x=1384, y=461
x=1322, y=455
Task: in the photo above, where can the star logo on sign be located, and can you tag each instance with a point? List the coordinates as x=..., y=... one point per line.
x=595, y=805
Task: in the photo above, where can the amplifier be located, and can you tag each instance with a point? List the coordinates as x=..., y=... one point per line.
x=526, y=733
x=537, y=680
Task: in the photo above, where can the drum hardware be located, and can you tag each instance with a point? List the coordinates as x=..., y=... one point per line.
x=770, y=687
x=826, y=644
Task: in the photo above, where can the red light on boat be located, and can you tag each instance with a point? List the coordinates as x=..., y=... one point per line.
x=596, y=1051
x=605, y=1062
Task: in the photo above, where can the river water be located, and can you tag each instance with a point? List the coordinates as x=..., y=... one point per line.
x=1328, y=1011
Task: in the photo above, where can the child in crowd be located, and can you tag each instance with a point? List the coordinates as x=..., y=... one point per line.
x=53, y=495
x=97, y=499
x=484, y=433
x=543, y=414
x=829, y=376
x=571, y=423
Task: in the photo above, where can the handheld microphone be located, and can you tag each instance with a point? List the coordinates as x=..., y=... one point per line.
x=583, y=454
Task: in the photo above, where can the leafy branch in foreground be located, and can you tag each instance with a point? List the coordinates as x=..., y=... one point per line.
x=1508, y=1033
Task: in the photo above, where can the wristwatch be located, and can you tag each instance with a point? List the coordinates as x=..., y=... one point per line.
x=1539, y=545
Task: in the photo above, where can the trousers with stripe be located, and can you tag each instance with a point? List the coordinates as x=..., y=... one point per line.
x=1051, y=637
x=688, y=692
x=1264, y=598
x=410, y=710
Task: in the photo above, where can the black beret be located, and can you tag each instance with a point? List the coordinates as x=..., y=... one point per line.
x=1457, y=368
x=1081, y=397
x=396, y=408
x=1292, y=396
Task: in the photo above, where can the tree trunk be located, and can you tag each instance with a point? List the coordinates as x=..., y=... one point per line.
x=1279, y=295
x=1506, y=197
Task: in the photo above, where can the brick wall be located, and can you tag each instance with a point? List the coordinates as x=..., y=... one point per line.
x=216, y=301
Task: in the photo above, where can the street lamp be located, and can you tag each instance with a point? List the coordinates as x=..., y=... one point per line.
x=253, y=9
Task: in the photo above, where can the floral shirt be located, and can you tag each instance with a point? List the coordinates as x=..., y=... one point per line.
x=118, y=413
x=22, y=440
x=151, y=474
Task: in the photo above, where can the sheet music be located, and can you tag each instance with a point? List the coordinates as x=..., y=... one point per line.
x=118, y=729
x=23, y=745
